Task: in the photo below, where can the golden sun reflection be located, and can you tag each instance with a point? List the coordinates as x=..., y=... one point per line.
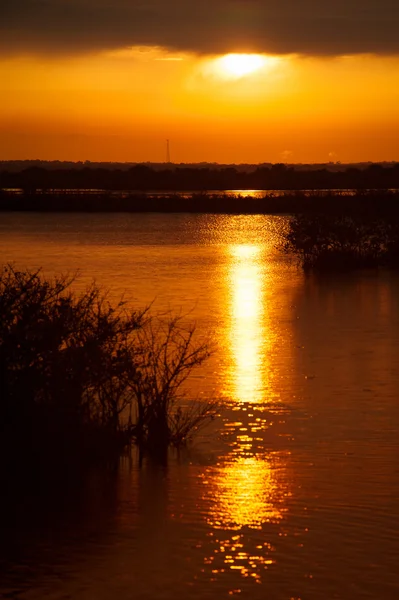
x=247, y=494
x=247, y=336
x=247, y=491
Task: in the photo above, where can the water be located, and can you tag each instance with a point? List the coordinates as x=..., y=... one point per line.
x=292, y=492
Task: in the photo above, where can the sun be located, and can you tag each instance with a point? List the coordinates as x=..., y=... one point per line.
x=239, y=65
x=236, y=66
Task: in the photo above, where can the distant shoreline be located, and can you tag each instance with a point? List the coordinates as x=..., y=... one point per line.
x=18, y=165
x=372, y=202
x=199, y=179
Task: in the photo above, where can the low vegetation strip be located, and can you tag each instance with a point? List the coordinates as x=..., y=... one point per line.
x=376, y=202
x=343, y=242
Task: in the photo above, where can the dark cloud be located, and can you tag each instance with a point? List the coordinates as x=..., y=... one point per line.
x=204, y=26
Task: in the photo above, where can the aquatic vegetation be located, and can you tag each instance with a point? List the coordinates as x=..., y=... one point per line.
x=165, y=354
x=341, y=242
x=81, y=376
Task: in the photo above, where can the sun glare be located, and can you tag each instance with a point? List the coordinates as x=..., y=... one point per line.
x=239, y=65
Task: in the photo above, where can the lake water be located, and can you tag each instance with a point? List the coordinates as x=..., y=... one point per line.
x=293, y=491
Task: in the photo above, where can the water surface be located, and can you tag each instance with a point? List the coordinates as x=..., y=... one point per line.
x=292, y=492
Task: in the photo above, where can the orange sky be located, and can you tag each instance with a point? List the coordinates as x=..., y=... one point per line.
x=122, y=105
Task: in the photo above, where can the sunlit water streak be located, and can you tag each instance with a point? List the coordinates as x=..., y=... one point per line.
x=247, y=490
x=247, y=338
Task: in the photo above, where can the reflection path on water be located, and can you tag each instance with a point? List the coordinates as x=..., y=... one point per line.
x=248, y=337
x=247, y=490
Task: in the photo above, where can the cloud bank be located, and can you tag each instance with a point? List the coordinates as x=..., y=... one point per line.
x=307, y=27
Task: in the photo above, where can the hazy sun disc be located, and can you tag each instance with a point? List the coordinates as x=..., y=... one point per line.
x=239, y=65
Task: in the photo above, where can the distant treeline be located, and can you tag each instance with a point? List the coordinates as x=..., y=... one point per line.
x=374, y=202
x=144, y=178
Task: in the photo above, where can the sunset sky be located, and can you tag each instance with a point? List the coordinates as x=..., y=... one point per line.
x=224, y=80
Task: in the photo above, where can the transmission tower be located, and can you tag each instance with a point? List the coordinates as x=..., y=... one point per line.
x=167, y=151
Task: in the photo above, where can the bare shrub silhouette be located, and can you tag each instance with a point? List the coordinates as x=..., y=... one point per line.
x=82, y=376
x=167, y=354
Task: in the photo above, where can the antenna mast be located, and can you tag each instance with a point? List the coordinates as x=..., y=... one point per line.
x=167, y=151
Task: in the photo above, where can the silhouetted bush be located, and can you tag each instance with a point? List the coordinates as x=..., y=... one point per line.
x=165, y=357
x=331, y=242
x=82, y=377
